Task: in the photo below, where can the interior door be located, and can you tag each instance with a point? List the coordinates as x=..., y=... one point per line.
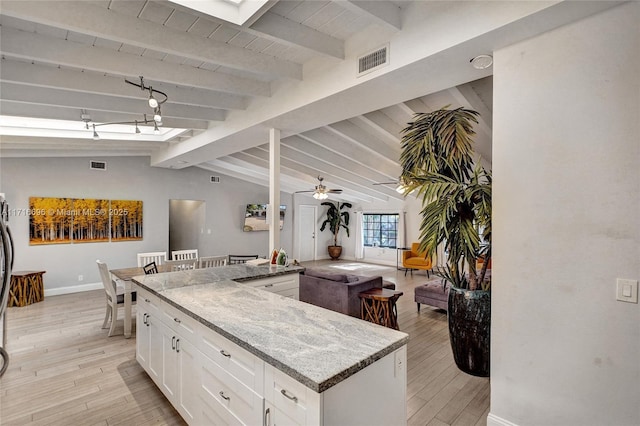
x=306, y=232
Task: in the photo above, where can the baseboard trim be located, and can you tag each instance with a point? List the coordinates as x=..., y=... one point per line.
x=72, y=289
x=493, y=420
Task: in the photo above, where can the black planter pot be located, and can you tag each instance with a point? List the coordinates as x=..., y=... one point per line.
x=469, y=317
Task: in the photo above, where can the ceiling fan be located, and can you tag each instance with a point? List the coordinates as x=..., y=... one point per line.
x=401, y=186
x=321, y=192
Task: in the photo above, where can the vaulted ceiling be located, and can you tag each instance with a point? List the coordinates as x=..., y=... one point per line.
x=292, y=65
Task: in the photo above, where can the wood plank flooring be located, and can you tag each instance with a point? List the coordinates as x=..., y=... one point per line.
x=64, y=370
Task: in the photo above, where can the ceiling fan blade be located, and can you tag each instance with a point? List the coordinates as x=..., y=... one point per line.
x=300, y=192
x=335, y=191
x=386, y=183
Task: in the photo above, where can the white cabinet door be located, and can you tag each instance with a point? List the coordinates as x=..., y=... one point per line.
x=188, y=381
x=169, y=374
x=154, y=330
x=142, y=336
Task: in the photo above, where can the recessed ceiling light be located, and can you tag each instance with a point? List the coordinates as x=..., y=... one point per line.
x=481, y=62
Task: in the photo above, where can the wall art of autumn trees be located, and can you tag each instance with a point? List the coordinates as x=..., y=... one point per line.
x=79, y=220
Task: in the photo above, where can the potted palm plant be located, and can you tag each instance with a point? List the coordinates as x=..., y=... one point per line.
x=437, y=162
x=336, y=219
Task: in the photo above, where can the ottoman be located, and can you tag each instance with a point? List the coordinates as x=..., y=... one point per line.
x=433, y=294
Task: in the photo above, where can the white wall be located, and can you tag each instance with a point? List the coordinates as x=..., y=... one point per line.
x=129, y=178
x=566, y=168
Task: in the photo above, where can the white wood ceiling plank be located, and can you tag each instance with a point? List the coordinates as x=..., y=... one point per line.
x=99, y=22
x=384, y=12
x=333, y=142
x=156, y=12
x=259, y=44
x=127, y=7
x=330, y=11
x=375, y=146
x=284, y=7
x=132, y=50
x=153, y=54
x=97, y=83
x=49, y=31
x=223, y=34
x=203, y=27
x=305, y=9
x=300, y=35
x=80, y=38
x=181, y=21
x=242, y=39
x=80, y=100
x=33, y=46
x=385, y=124
x=107, y=44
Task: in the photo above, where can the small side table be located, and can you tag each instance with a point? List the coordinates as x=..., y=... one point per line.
x=378, y=305
x=27, y=287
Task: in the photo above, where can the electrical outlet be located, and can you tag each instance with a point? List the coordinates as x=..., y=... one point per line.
x=80, y=278
x=399, y=361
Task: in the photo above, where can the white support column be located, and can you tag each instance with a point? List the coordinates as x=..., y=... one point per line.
x=274, y=190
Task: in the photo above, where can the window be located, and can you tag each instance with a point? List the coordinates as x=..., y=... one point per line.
x=380, y=230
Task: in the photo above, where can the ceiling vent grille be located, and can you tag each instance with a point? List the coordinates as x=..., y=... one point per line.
x=373, y=60
x=215, y=179
x=98, y=165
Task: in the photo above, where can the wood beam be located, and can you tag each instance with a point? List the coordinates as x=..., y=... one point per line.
x=90, y=19
x=100, y=84
x=384, y=12
x=44, y=49
x=284, y=30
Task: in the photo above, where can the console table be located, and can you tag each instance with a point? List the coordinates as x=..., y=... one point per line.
x=378, y=305
x=27, y=287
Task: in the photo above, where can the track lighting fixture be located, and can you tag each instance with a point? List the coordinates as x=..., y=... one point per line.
x=153, y=103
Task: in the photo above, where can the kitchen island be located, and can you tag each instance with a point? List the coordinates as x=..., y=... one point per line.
x=236, y=354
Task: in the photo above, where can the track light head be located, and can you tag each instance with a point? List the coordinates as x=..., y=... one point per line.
x=157, y=115
x=153, y=102
x=96, y=136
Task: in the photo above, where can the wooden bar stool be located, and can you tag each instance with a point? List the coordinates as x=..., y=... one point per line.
x=378, y=305
x=27, y=287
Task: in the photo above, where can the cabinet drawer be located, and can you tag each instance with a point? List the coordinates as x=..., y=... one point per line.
x=180, y=322
x=147, y=302
x=219, y=388
x=293, y=293
x=291, y=398
x=240, y=363
x=276, y=284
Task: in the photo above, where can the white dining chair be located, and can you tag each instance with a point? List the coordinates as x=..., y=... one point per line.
x=184, y=254
x=115, y=297
x=182, y=265
x=153, y=256
x=212, y=261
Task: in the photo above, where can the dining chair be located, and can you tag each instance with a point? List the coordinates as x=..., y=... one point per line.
x=153, y=256
x=115, y=297
x=182, y=265
x=150, y=268
x=241, y=258
x=212, y=261
x=184, y=254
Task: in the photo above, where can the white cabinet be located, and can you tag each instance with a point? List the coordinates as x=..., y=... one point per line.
x=164, y=350
x=287, y=285
x=374, y=395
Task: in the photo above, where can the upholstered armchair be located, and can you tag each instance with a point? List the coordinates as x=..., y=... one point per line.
x=414, y=259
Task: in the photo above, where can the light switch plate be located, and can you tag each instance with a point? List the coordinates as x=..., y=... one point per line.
x=627, y=290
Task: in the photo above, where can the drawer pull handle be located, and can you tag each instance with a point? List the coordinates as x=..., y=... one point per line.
x=225, y=397
x=268, y=285
x=267, y=417
x=173, y=342
x=225, y=353
x=291, y=397
x=147, y=300
x=178, y=345
x=177, y=320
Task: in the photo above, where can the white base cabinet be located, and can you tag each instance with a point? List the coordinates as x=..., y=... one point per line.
x=211, y=380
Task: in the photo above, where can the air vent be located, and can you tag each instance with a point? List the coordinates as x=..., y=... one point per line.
x=98, y=165
x=373, y=60
x=215, y=179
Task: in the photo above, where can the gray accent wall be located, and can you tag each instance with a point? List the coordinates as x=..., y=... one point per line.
x=129, y=178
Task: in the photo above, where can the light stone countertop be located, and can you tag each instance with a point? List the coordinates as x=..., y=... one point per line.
x=317, y=347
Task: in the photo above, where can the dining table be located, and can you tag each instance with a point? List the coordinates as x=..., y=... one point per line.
x=125, y=275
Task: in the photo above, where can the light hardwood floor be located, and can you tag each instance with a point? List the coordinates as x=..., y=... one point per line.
x=64, y=370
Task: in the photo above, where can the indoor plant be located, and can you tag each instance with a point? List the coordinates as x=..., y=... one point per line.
x=437, y=162
x=336, y=219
